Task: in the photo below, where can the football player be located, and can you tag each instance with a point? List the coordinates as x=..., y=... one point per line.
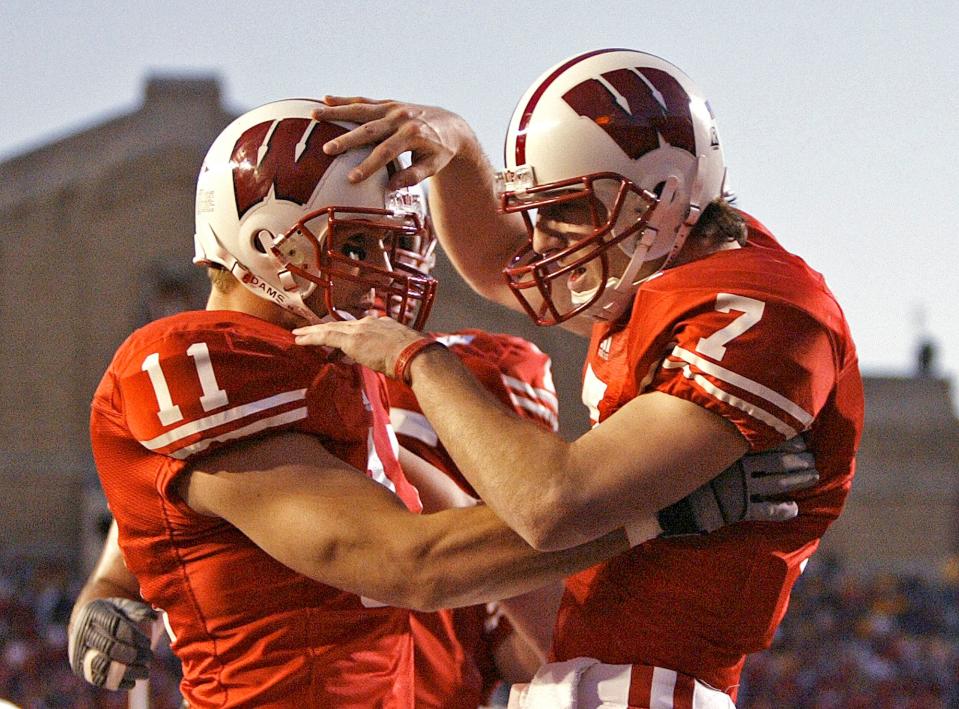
x=256, y=486
x=708, y=339
x=461, y=654
x=233, y=460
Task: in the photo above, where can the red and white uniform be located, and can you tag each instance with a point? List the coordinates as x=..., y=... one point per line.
x=754, y=335
x=514, y=370
x=248, y=630
x=454, y=648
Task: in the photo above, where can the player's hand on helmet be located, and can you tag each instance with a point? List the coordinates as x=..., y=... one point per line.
x=107, y=646
x=750, y=489
x=434, y=136
x=374, y=342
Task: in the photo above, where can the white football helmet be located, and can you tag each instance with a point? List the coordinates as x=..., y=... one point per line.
x=277, y=212
x=631, y=137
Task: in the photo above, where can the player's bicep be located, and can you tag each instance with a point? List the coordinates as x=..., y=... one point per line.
x=300, y=504
x=652, y=452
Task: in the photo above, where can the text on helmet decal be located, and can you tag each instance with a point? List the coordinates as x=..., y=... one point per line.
x=650, y=115
x=261, y=285
x=286, y=155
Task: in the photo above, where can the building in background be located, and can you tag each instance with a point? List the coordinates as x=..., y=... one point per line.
x=902, y=513
x=96, y=234
x=95, y=228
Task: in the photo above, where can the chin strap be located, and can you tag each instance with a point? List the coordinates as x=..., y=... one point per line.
x=692, y=215
x=289, y=299
x=619, y=292
x=580, y=297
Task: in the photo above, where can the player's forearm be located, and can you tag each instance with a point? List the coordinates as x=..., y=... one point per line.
x=355, y=535
x=520, y=470
x=651, y=453
x=331, y=523
x=476, y=237
x=468, y=556
x=110, y=578
x=448, y=559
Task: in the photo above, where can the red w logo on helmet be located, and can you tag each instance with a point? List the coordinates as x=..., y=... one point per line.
x=286, y=155
x=637, y=131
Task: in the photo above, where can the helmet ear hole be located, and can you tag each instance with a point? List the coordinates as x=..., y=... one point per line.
x=260, y=240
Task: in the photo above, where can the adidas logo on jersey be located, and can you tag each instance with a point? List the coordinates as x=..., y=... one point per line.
x=604, y=346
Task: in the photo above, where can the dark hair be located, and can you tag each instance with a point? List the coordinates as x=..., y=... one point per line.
x=720, y=222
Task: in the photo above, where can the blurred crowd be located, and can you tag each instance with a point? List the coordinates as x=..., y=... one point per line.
x=854, y=642
x=35, y=603
x=847, y=642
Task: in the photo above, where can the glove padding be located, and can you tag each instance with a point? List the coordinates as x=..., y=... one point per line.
x=107, y=647
x=743, y=491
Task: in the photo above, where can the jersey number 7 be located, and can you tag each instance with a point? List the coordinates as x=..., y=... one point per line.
x=752, y=311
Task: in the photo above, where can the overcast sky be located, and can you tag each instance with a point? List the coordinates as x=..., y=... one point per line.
x=840, y=119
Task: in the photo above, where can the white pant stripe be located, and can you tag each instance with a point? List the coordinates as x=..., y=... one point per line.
x=661, y=691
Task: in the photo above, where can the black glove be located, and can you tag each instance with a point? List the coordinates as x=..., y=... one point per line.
x=742, y=491
x=107, y=647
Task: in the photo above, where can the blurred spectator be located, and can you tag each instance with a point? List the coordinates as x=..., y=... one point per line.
x=849, y=642
x=35, y=603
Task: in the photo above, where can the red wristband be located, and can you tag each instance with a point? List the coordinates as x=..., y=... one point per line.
x=401, y=367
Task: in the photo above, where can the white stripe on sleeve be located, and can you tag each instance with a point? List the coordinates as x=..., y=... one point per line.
x=223, y=417
x=724, y=396
x=774, y=398
x=255, y=427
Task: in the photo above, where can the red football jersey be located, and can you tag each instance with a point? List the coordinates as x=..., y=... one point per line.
x=514, y=370
x=454, y=648
x=754, y=335
x=455, y=666
x=248, y=630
